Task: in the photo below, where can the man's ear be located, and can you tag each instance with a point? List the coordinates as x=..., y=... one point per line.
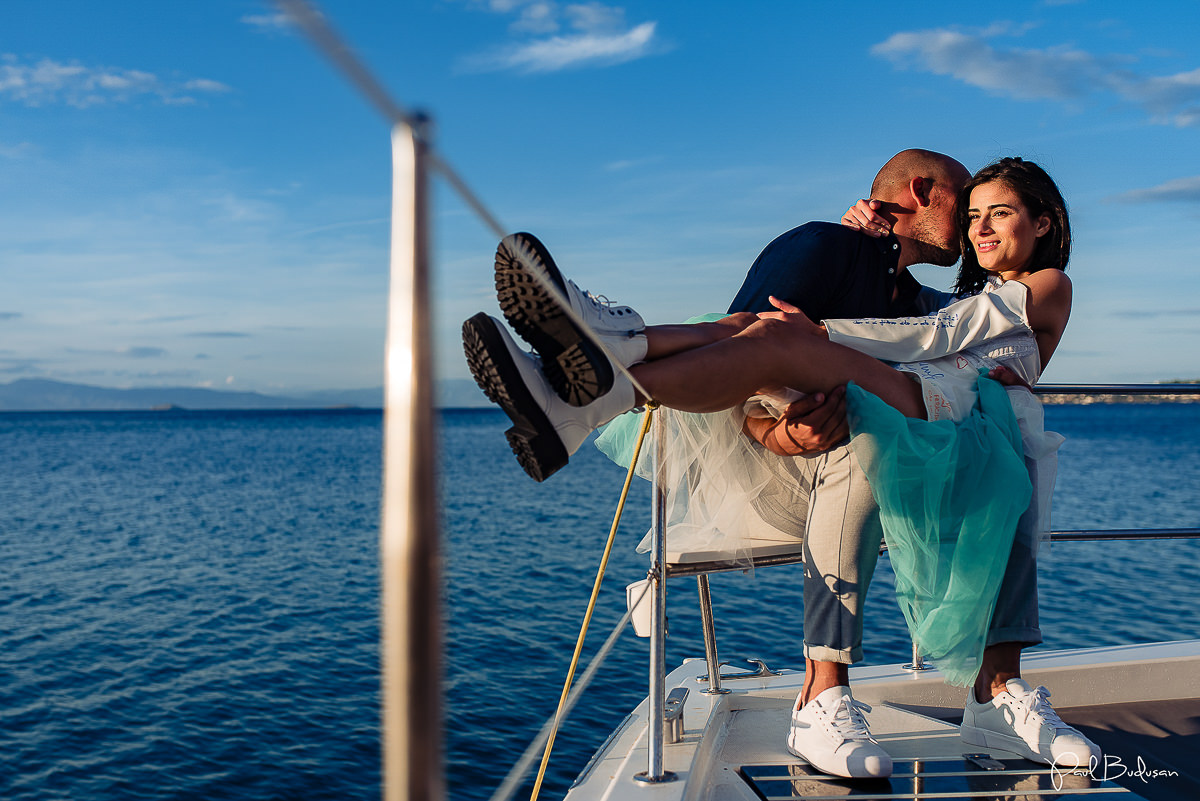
x=919, y=188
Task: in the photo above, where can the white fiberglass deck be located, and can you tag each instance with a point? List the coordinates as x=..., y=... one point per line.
x=732, y=745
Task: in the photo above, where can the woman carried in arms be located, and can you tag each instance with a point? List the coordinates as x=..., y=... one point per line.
x=939, y=444
x=555, y=402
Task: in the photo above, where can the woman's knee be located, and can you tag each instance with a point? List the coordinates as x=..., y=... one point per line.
x=778, y=335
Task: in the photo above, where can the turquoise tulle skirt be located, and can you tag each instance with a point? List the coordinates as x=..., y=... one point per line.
x=949, y=495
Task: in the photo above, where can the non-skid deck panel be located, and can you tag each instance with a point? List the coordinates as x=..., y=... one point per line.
x=1151, y=747
x=759, y=735
x=943, y=778
x=928, y=761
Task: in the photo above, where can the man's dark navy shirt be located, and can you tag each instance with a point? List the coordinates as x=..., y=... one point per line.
x=831, y=271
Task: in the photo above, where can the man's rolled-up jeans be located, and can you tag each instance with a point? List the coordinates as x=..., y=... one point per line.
x=842, y=537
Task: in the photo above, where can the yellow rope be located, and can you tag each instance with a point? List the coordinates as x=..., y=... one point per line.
x=587, y=618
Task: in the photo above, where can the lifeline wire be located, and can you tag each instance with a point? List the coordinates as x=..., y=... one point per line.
x=321, y=33
x=315, y=24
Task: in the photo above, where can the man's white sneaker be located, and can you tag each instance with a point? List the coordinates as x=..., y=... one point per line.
x=832, y=734
x=576, y=368
x=1021, y=721
x=546, y=431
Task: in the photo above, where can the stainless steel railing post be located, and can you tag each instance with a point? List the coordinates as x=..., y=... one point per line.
x=918, y=661
x=410, y=586
x=710, y=637
x=655, y=737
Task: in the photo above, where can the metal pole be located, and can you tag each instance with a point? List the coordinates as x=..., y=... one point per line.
x=655, y=738
x=710, y=637
x=918, y=661
x=411, y=635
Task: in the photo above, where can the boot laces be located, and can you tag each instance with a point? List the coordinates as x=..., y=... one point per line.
x=600, y=303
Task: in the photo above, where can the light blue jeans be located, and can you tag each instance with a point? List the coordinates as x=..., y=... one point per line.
x=841, y=548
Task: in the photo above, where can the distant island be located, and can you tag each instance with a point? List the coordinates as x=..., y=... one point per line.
x=44, y=395
x=1170, y=393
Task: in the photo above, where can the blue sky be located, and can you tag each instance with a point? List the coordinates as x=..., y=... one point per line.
x=189, y=195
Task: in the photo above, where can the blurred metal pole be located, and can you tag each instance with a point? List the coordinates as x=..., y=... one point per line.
x=411, y=620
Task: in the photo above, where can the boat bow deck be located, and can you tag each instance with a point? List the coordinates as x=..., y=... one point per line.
x=732, y=747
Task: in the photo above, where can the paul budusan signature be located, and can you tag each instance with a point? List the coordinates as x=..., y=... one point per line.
x=1113, y=767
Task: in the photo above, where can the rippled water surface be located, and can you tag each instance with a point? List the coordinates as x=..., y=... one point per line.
x=189, y=600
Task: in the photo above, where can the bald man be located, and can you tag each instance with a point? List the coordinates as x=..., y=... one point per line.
x=832, y=271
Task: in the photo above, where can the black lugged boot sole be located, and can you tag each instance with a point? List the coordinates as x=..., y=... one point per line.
x=577, y=370
x=532, y=438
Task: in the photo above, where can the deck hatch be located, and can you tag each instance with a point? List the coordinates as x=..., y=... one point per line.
x=932, y=779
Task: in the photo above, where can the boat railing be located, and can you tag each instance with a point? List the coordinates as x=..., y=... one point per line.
x=660, y=569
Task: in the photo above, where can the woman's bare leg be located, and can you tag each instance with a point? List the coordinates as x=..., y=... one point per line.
x=667, y=340
x=770, y=354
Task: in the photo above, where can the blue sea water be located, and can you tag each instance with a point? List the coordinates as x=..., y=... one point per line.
x=188, y=604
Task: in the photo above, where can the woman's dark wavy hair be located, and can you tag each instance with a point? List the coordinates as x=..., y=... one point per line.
x=1040, y=195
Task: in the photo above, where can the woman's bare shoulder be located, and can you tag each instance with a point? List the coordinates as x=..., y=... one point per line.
x=1049, y=299
x=1048, y=281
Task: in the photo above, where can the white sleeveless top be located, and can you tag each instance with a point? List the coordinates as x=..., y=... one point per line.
x=946, y=350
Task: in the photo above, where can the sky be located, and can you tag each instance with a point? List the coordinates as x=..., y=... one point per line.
x=191, y=196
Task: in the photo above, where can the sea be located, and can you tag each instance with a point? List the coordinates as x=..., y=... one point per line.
x=189, y=600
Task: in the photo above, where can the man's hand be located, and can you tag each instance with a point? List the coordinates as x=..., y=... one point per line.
x=808, y=426
x=1008, y=378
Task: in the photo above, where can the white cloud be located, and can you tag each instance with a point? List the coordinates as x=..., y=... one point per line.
x=269, y=23
x=205, y=85
x=1184, y=189
x=631, y=164
x=130, y=352
x=18, y=151
x=588, y=49
x=218, y=334
x=1054, y=73
x=143, y=352
x=599, y=36
x=49, y=82
x=595, y=17
x=537, y=17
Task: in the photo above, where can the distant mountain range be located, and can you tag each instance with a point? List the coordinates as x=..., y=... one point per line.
x=39, y=395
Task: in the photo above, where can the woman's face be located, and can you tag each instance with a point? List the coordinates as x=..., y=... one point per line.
x=1001, y=230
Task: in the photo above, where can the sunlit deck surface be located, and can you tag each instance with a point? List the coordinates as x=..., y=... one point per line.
x=1141, y=704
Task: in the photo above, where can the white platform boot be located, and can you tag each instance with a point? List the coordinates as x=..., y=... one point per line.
x=546, y=430
x=578, y=371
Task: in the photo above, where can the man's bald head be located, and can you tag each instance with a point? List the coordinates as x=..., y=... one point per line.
x=894, y=178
